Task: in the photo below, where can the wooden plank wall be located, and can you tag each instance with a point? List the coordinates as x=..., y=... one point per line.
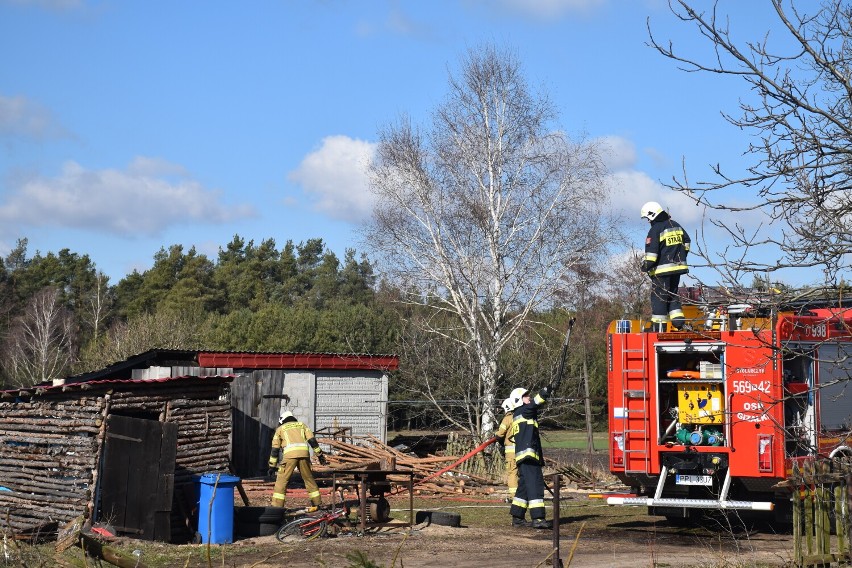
x=254, y=419
x=49, y=446
x=203, y=438
x=48, y=456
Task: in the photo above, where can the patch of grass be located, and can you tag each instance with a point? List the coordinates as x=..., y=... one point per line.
x=572, y=439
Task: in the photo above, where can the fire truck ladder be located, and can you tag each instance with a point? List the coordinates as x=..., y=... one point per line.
x=635, y=403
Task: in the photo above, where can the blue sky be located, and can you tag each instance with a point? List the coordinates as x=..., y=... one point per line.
x=126, y=126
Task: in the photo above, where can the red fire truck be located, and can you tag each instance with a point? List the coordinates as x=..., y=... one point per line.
x=713, y=417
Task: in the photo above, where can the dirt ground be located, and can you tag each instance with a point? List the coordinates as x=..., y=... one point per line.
x=636, y=544
x=623, y=539
x=592, y=535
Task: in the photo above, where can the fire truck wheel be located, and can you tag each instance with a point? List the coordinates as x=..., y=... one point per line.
x=691, y=520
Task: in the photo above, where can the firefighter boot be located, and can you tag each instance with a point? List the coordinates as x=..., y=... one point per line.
x=519, y=522
x=541, y=524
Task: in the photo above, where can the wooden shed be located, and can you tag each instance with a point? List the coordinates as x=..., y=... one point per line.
x=124, y=445
x=120, y=451
x=327, y=391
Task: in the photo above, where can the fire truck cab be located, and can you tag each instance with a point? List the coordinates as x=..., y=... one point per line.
x=712, y=417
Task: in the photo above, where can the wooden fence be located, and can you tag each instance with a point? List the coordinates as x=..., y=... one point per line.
x=821, y=497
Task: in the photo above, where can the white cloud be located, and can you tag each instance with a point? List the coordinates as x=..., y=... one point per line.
x=127, y=203
x=618, y=153
x=634, y=188
x=144, y=166
x=22, y=117
x=335, y=176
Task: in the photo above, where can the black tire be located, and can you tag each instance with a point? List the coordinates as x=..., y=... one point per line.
x=257, y=521
x=682, y=522
x=304, y=528
x=259, y=514
x=379, y=510
x=441, y=518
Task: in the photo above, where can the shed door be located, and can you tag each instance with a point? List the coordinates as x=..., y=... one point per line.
x=137, y=477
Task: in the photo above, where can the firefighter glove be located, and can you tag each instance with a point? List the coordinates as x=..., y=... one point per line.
x=322, y=459
x=271, y=472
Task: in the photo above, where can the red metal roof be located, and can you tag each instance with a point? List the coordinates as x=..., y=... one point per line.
x=248, y=360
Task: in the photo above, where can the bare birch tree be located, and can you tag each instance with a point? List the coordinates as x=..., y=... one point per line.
x=801, y=117
x=479, y=215
x=98, y=302
x=39, y=344
x=163, y=329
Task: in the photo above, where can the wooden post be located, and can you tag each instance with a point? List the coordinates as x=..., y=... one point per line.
x=556, y=560
x=797, y=523
x=840, y=514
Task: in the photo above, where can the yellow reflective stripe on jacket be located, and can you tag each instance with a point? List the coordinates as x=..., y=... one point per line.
x=671, y=237
x=651, y=256
x=538, y=399
x=667, y=268
x=529, y=452
x=516, y=425
x=292, y=438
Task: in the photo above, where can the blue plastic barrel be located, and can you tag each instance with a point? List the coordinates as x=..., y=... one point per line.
x=216, y=508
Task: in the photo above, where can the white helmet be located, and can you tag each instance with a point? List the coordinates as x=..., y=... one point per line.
x=516, y=397
x=284, y=416
x=507, y=405
x=650, y=210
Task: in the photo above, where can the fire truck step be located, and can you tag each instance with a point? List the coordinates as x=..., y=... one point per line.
x=692, y=503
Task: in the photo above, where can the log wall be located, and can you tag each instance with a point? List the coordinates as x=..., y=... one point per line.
x=50, y=446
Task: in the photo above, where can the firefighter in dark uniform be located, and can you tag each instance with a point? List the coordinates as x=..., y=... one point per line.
x=666, y=247
x=291, y=440
x=530, y=460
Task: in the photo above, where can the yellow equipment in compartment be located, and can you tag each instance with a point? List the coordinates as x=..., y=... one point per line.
x=700, y=403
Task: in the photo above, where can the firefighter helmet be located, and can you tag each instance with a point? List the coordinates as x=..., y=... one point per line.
x=507, y=405
x=516, y=397
x=650, y=210
x=284, y=416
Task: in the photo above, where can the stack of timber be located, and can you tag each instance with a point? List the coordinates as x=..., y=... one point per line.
x=368, y=452
x=372, y=453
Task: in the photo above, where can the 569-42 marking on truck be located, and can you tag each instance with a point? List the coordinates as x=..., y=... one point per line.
x=748, y=387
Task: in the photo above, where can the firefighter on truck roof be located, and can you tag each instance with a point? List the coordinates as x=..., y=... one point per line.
x=666, y=248
x=291, y=440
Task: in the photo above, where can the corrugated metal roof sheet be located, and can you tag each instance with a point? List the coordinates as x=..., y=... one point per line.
x=77, y=386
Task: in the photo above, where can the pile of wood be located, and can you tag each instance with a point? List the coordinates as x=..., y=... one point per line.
x=366, y=453
x=372, y=453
